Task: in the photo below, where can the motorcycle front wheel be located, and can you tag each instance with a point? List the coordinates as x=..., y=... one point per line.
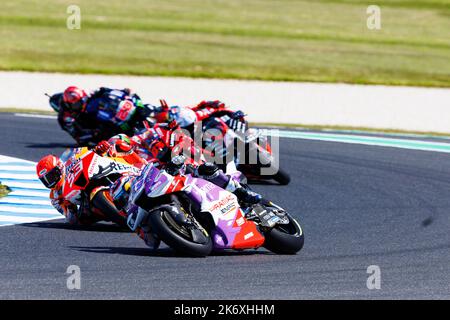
x=285, y=238
x=188, y=240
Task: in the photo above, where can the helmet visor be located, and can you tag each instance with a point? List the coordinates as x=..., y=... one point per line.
x=160, y=150
x=76, y=106
x=51, y=178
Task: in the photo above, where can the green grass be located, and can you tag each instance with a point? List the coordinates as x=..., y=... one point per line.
x=28, y=111
x=4, y=190
x=293, y=40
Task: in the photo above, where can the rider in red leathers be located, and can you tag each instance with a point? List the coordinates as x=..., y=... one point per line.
x=148, y=145
x=50, y=170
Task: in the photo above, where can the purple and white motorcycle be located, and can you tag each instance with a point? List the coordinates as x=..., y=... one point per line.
x=195, y=217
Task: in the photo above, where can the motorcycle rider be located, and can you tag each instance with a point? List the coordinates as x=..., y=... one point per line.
x=149, y=140
x=89, y=117
x=186, y=116
x=50, y=170
x=198, y=122
x=120, y=190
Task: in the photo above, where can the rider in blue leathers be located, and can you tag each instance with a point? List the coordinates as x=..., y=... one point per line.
x=100, y=115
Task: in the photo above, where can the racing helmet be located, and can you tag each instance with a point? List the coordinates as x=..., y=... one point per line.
x=183, y=116
x=162, y=115
x=75, y=98
x=121, y=144
x=159, y=150
x=49, y=170
x=186, y=117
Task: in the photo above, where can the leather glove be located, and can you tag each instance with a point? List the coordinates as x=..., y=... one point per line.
x=102, y=147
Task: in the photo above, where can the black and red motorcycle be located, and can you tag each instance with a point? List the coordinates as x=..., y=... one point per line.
x=226, y=133
x=227, y=140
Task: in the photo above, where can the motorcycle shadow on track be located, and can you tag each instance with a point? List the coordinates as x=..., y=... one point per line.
x=164, y=252
x=97, y=227
x=51, y=145
x=130, y=251
x=262, y=182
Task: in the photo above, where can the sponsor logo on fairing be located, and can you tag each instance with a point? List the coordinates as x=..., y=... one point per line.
x=221, y=203
x=73, y=171
x=207, y=187
x=228, y=208
x=92, y=166
x=248, y=235
x=240, y=221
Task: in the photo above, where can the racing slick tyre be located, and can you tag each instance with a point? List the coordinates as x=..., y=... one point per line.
x=282, y=177
x=188, y=240
x=285, y=239
x=103, y=202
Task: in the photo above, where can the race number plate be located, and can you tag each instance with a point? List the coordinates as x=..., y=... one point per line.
x=124, y=110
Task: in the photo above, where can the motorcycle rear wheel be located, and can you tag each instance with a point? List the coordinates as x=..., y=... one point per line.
x=282, y=177
x=285, y=239
x=177, y=236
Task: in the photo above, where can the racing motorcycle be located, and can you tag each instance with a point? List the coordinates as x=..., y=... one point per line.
x=230, y=143
x=167, y=140
x=250, y=148
x=196, y=217
x=119, y=116
x=87, y=179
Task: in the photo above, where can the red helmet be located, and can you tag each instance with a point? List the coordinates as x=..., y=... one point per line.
x=121, y=144
x=162, y=116
x=163, y=113
x=75, y=98
x=49, y=170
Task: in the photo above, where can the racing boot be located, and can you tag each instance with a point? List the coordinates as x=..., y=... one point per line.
x=247, y=196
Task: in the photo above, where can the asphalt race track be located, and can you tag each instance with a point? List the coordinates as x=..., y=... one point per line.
x=359, y=206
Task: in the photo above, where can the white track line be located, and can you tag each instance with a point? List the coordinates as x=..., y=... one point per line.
x=30, y=193
x=17, y=176
x=18, y=200
x=16, y=220
x=28, y=210
x=29, y=200
x=4, y=167
x=31, y=115
x=26, y=185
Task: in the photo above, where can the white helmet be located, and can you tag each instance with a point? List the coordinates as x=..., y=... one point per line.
x=183, y=116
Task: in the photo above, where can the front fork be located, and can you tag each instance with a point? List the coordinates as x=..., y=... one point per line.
x=135, y=218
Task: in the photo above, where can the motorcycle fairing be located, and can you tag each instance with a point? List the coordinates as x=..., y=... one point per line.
x=232, y=230
x=83, y=166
